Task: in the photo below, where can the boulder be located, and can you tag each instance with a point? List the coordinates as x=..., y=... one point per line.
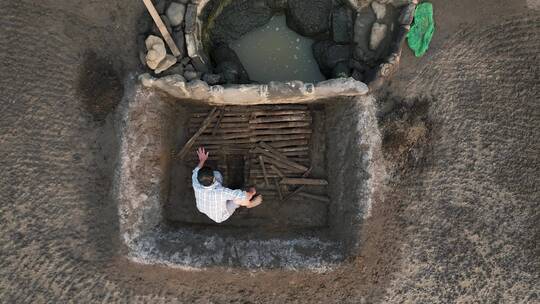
x=338, y=53
x=190, y=18
x=342, y=20
x=160, y=6
x=213, y=79
x=379, y=9
x=155, y=51
x=320, y=49
x=407, y=14
x=309, y=17
x=175, y=13
x=166, y=63
x=228, y=63
x=179, y=40
x=237, y=18
x=378, y=32
x=341, y=70
x=176, y=69
x=277, y=5
x=192, y=75
x=362, y=27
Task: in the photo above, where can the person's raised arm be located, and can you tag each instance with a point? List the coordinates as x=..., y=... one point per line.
x=203, y=156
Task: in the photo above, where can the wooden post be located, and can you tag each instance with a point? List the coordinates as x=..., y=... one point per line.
x=162, y=28
x=304, y=181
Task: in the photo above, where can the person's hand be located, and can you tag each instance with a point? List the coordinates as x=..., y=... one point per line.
x=252, y=190
x=203, y=156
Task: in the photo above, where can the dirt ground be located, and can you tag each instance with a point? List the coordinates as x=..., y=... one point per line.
x=456, y=223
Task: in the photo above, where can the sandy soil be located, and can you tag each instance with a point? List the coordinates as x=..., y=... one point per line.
x=457, y=222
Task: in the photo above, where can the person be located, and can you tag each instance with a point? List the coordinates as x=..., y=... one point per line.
x=214, y=200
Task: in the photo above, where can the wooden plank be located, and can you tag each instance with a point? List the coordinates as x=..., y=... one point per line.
x=286, y=118
x=278, y=172
x=316, y=197
x=162, y=28
x=281, y=162
x=261, y=160
x=278, y=188
x=279, y=113
x=281, y=125
x=192, y=140
x=216, y=127
x=270, y=151
x=304, y=181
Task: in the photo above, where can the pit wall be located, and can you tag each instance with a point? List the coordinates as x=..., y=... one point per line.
x=141, y=185
x=354, y=164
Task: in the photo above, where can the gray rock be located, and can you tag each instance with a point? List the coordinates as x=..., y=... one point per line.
x=342, y=20
x=189, y=67
x=213, y=79
x=379, y=9
x=229, y=64
x=320, y=48
x=176, y=69
x=166, y=63
x=357, y=75
x=190, y=18
x=156, y=51
x=179, y=40
x=309, y=17
x=277, y=5
x=160, y=6
x=378, y=32
x=201, y=63
x=341, y=70
x=338, y=53
x=238, y=18
x=182, y=1
x=175, y=13
x=362, y=27
x=185, y=61
x=192, y=75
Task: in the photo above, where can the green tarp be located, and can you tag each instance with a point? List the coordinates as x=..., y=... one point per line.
x=422, y=29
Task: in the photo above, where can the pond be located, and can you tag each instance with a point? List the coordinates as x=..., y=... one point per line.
x=274, y=52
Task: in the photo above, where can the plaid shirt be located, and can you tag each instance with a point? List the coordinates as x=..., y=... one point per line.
x=215, y=200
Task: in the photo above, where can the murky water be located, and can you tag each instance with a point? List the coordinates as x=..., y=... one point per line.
x=274, y=52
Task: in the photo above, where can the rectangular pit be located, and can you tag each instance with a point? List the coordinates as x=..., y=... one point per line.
x=159, y=218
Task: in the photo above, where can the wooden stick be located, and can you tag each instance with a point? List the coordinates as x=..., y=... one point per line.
x=276, y=154
x=304, y=181
x=281, y=131
x=162, y=28
x=321, y=198
x=278, y=172
x=295, y=192
x=281, y=125
x=279, y=112
x=261, y=160
x=278, y=188
x=191, y=141
x=216, y=127
x=280, y=119
x=287, y=165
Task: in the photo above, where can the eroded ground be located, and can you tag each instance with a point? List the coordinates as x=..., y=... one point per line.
x=457, y=224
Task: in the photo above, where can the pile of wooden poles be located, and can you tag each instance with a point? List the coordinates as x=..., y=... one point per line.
x=274, y=142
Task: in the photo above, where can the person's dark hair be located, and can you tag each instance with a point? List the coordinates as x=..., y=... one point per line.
x=205, y=176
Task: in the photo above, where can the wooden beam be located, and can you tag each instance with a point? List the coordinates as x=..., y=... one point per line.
x=278, y=188
x=316, y=197
x=191, y=141
x=274, y=153
x=162, y=28
x=261, y=160
x=304, y=181
x=216, y=127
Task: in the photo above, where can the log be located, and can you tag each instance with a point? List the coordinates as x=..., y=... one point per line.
x=280, y=137
x=261, y=160
x=316, y=197
x=162, y=28
x=287, y=118
x=192, y=140
x=295, y=192
x=282, y=163
x=279, y=112
x=281, y=125
x=278, y=188
x=270, y=151
x=278, y=172
x=281, y=131
x=304, y=181
x=216, y=127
